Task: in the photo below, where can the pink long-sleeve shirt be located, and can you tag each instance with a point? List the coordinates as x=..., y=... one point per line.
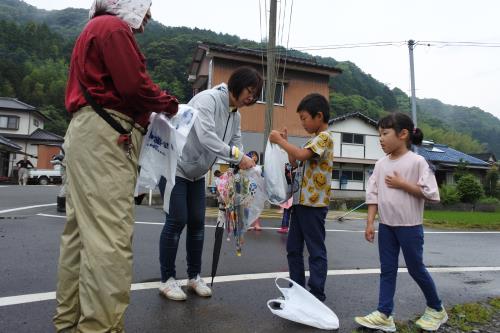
x=397, y=207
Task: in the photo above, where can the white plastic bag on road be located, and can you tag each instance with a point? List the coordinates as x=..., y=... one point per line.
x=301, y=306
x=275, y=161
x=162, y=147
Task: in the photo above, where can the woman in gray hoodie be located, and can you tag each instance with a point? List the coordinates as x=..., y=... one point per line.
x=216, y=134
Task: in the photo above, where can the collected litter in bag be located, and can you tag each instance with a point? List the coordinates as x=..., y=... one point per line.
x=162, y=147
x=244, y=195
x=275, y=166
x=301, y=306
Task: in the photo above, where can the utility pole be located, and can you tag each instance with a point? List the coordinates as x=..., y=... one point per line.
x=411, y=46
x=271, y=75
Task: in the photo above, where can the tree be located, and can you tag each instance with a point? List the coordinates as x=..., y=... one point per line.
x=490, y=184
x=460, y=170
x=469, y=189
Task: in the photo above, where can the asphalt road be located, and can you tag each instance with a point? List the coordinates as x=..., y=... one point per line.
x=465, y=266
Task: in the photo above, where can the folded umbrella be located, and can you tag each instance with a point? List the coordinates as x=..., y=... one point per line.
x=219, y=232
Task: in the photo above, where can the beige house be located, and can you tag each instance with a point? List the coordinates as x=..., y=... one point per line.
x=296, y=77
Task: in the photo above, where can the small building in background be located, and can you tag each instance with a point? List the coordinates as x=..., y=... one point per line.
x=23, y=125
x=356, y=149
x=7, y=148
x=445, y=160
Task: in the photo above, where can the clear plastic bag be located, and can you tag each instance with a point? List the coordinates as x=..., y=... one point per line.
x=277, y=187
x=243, y=195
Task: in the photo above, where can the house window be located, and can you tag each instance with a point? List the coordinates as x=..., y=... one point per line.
x=352, y=175
x=335, y=175
x=36, y=122
x=279, y=94
x=358, y=139
x=9, y=122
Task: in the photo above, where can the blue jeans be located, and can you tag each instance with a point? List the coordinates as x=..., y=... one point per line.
x=286, y=217
x=308, y=225
x=187, y=207
x=411, y=241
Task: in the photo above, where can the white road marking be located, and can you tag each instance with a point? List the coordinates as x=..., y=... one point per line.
x=30, y=298
x=25, y=207
x=330, y=230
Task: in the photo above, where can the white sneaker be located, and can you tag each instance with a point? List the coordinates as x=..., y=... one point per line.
x=172, y=290
x=199, y=286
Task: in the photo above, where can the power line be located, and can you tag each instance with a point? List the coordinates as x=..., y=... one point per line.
x=440, y=44
x=458, y=44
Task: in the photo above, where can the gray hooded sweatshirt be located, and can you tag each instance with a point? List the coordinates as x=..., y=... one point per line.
x=216, y=130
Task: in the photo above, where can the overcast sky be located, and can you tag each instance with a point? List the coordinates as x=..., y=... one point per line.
x=468, y=76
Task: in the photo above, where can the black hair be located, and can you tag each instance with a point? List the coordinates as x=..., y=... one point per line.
x=253, y=152
x=245, y=77
x=400, y=121
x=314, y=104
x=217, y=173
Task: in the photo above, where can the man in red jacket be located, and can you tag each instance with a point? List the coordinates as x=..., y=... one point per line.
x=107, y=72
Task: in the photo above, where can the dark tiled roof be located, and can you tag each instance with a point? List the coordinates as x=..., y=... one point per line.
x=41, y=134
x=9, y=144
x=438, y=153
x=485, y=156
x=38, y=135
x=14, y=104
x=359, y=115
x=262, y=53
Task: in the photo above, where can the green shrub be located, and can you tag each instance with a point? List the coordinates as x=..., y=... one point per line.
x=449, y=195
x=469, y=189
x=489, y=201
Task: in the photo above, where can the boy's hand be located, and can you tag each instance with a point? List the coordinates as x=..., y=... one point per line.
x=246, y=163
x=284, y=133
x=370, y=233
x=395, y=181
x=275, y=137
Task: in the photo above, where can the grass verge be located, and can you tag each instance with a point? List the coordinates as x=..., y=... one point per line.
x=462, y=220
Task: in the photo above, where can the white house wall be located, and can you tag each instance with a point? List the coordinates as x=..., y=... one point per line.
x=26, y=122
x=353, y=125
x=352, y=150
x=373, y=151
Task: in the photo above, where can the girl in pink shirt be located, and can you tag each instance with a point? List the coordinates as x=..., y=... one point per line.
x=397, y=189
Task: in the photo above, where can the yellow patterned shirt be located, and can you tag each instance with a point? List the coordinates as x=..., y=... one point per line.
x=313, y=178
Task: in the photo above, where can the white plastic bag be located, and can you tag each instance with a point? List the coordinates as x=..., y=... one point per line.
x=277, y=187
x=301, y=306
x=162, y=147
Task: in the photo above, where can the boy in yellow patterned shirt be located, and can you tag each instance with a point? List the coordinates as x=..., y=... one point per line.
x=314, y=163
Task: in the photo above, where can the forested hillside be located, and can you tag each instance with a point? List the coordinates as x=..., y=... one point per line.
x=35, y=47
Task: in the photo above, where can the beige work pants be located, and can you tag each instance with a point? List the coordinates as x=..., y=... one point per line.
x=95, y=263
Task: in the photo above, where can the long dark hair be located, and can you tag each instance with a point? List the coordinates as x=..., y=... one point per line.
x=400, y=121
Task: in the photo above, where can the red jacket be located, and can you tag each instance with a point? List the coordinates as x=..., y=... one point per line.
x=107, y=61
